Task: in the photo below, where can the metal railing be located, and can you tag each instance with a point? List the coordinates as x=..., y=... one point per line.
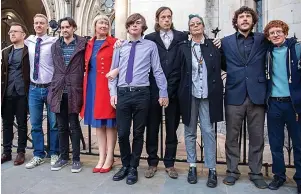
x=242, y=143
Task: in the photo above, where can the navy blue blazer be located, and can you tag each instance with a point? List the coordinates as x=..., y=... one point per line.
x=245, y=77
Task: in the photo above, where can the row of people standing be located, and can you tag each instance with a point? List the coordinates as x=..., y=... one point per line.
x=49, y=70
x=252, y=77
x=191, y=74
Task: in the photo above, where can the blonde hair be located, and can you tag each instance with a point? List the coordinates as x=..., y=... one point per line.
x=41, y=16
x=101, y=17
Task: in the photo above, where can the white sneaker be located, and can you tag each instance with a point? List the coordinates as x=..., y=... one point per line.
x=53, y=160
x=35, y=161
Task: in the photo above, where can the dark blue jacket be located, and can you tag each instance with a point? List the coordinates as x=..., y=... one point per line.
x=293, y=72
x=244, y=76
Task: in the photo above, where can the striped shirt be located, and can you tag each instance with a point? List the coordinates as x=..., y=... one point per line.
x=68, y=50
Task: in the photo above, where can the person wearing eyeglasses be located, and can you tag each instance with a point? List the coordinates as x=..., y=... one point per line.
x=200, y=96
x=14, y=91
x=283, y=73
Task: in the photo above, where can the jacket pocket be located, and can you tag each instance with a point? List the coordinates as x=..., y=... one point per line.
x=261, y=79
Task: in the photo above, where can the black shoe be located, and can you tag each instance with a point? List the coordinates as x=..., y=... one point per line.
x=260, y=183
x=121, y=174
x=5, y=158
x=299, y=189
x=192, y=175
x=276, y=183
x=212, y=179
x=132, y=177
x=229, y=180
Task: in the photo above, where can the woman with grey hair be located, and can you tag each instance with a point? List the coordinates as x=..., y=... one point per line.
x=97, y=110
x=200, y=96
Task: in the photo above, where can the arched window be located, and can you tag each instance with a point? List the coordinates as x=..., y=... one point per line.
x=109, y=6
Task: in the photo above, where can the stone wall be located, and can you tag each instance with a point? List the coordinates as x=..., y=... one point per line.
x=286, y=10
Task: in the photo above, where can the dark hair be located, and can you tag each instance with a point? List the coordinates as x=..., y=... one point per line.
x=244, y=9
x=277, y=24
x=69, y=20
x=18, y=24
x=158, y=12
x=133, y=18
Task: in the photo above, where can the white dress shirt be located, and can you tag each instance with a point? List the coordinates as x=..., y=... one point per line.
x=46, y=64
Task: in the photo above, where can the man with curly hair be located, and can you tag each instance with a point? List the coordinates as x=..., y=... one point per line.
x=244, y=61
x=283, y=99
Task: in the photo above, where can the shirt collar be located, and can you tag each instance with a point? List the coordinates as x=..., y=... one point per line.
x=202, y=41
x=130, y=42
x=73, y=42
x=44, y=37
x=238, y=34
x=169, y=33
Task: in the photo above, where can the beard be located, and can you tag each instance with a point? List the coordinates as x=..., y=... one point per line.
x=247, y=29
x=67, y=35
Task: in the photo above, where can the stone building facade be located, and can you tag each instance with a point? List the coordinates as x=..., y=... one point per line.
x=216, y=13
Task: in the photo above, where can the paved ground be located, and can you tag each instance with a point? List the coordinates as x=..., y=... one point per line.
x=41, y=180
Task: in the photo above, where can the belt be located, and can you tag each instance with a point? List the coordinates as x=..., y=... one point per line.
x=132, y=89
x=40, y=85
x=282, y=99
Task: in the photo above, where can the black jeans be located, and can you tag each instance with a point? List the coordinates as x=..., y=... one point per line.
x=131, y=106
x=172, y=120
x=63, y=121
x=11, y=107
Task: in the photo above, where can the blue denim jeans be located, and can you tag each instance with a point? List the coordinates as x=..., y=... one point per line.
x=36, y=100
x=200, y=108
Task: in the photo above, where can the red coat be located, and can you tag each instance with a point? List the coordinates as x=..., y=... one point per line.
x=102, y=105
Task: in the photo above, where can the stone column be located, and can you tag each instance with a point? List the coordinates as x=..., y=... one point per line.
x=68, y=12
x=121, y=14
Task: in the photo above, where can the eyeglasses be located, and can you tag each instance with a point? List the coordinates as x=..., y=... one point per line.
x=197, y=24
x=276, y=33
x=13, y=32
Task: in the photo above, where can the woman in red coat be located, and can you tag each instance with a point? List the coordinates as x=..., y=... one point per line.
x=97, y=110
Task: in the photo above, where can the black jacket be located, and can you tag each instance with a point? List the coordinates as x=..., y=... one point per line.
x=212, y=58
x=4, y=69
x=167, y=59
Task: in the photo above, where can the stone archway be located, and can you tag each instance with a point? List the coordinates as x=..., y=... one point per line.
x=18, y=11
x=88, y=10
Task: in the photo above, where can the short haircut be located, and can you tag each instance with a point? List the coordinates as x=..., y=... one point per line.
x=133, y=18
x=69, y=20
x=101, y=17
x=277, y=24
x=158, y=12
x=18, y=24
x=41, y=16
x=244, y=9
x=195, y=16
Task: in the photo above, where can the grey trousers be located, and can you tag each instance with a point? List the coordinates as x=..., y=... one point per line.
x=255, y=125
x=200, y=108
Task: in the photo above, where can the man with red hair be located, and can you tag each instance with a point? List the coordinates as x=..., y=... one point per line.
x=283, y=73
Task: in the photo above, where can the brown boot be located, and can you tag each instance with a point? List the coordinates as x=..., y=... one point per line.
x=150, y=172
x=19, y=159
x=172, y=173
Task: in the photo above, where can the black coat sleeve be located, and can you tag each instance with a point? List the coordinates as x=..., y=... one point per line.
x=175, y=76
